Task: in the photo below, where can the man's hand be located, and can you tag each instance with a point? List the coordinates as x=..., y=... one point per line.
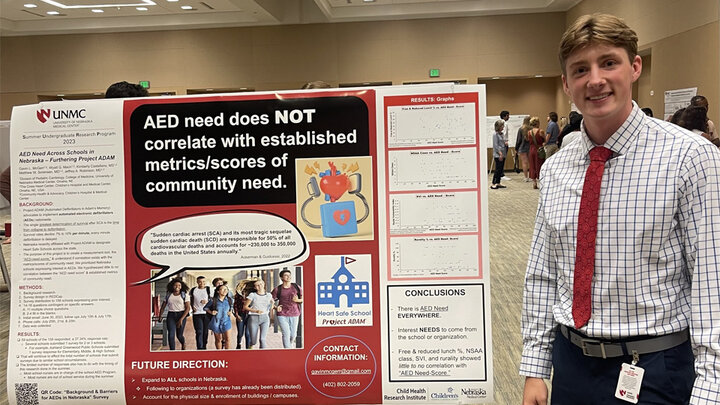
x=535, y=392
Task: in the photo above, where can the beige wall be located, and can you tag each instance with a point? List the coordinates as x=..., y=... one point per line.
x=535, y=97
x=682, y=38
x=682, y=43
x=279, y=57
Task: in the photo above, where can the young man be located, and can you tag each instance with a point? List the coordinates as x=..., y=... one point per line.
x=505, y=116
x=552, y=133
x=199, y=296
x=651, y=298
x=288, y=297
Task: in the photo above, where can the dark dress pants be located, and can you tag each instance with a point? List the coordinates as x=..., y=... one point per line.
x=582, y=380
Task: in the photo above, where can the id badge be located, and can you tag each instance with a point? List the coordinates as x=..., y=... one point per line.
x=629, y=382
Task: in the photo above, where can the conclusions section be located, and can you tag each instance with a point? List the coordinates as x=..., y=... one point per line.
x=431, y=337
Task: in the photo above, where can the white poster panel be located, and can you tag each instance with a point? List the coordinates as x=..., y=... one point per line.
x=345, y=218
x=434, y=245
x=677, y=99
x=67, y=317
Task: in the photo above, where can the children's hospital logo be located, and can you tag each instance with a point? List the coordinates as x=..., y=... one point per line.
x=344, y=286
x=344, y=291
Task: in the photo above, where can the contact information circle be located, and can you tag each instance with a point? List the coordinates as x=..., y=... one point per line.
x=340, y=367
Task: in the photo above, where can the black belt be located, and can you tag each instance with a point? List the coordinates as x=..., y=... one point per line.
x=598, y=348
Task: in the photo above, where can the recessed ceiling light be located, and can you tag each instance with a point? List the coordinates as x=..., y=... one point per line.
x=538, y=75
x=496, y=77
x=368, y=1
x=141, y=8
x=29, y=5
x=172, y=1
x=53, y=12
x=186, y=7
x=113, y=4
x=97, y=10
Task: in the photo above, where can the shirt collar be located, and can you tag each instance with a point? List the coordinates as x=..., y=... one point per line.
x=620, y=141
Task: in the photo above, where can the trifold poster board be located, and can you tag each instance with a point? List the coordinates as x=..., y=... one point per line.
x=372, y=199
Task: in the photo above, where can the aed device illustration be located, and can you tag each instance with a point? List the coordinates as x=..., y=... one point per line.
x=343, y=284
x=337, y=218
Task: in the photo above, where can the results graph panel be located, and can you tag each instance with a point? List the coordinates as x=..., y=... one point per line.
x=434, y=256
x=431, y=125
x=433, y=169
x=433, y=213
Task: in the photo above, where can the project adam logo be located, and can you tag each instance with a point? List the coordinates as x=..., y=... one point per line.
x=44, y=114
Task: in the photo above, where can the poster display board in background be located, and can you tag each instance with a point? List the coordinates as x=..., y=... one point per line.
x=372, y=200
x=514, y=123
x=677, y=99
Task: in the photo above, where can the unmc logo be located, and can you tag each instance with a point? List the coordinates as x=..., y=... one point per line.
x=68, y=114
x=43, y=115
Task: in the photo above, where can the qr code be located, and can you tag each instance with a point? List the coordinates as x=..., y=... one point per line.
x=26, y=393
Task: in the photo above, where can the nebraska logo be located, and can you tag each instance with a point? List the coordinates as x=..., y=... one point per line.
x=43, y=115
x=474, y=392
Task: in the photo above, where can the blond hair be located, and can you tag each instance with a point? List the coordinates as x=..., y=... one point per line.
x=534, y=122
x=525, y=125
x=597, y=28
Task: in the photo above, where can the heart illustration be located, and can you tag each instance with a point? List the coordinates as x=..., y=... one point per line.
x=341, y=216
x=335, y=184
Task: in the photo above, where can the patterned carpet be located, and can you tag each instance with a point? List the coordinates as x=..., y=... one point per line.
x=512, y=211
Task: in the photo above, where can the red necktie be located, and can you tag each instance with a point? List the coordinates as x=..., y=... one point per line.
x=586, y=234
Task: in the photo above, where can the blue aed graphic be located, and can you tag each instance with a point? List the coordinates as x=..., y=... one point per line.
x=343, y=284
x=337, y=218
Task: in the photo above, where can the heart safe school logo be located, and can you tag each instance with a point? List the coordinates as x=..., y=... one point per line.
x=43, y=115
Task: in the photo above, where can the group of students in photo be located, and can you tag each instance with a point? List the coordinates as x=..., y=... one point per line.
x=212, y=309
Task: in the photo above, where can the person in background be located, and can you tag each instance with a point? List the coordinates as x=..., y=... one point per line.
x=694, y=118
x=522, y=147
x=220, y=308
x=499, y=150
x=317, y=84
x=552, y=133
x=177, y=302
x=701, y=101
x=648, y=111
x=566, y=129
x=677, y=116
x=535, y=137
x=199, y=297
x=622, y=277
x=288, y=297
x=575, y=132
x=562, y=123
x=125, y=90
x=505, y=116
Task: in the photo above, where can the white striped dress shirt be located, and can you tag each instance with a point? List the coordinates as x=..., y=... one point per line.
x=657, y=266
